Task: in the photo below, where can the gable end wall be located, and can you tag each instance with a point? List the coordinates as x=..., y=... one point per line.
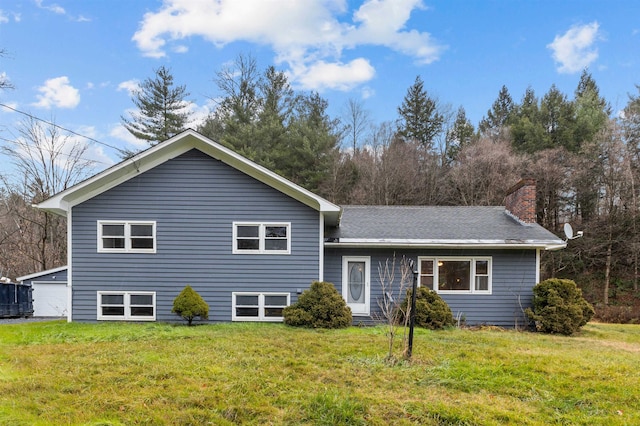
x=194, y=199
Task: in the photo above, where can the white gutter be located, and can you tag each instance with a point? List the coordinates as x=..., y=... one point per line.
x=458, y=244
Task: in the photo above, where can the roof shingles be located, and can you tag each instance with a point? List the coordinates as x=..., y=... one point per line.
x=437, y=225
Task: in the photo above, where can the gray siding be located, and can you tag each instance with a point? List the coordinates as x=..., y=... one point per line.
x=194, y=200
x=514, y=274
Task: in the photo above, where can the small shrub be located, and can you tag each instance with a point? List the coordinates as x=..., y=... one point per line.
x=558, y=307
x=432, y=311
x=189, y=304
x=321, y=306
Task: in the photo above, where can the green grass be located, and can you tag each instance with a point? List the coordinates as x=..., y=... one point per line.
x=126, y=374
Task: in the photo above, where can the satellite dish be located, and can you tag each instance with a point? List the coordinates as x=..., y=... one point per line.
x=568, y=231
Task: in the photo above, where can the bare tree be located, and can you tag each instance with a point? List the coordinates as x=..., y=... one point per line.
x=485, y=169
x=357, y=119
x=5, y=83
x=390, y=302
x=45, y=161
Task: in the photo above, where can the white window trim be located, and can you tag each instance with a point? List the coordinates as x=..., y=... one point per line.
x=127, y=236
x=127, y=306
x=261, y=237
x=472, y=282
x=261, y=306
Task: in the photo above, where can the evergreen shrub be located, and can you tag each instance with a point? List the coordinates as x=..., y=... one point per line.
x=321, y=306
x=558, y=307
x=189, y=304
x=432, y=311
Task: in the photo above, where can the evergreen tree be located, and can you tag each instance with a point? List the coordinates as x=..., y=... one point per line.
x=498, y=116
x=278, y=102
x=161, y=109
x=420, y=118
x=312, y=144
x=189, y=305
x=527, y=131
x=459, y=135
x=592, y=111
x=558, y=120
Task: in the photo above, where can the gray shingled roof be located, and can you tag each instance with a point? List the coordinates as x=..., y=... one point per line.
x=435, y=226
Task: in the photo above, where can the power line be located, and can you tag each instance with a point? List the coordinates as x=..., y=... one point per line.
x=66, y=155
x=120, y=151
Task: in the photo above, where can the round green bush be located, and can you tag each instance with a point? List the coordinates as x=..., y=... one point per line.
x=189, y=304
x=558, y=307
x=321, y=306
x=432, y=311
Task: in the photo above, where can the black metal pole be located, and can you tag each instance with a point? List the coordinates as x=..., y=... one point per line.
x=412, y=314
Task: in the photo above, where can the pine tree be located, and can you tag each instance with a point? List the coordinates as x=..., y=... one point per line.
x=161, y=109
x=460, y=135
x=558, y=120
x=527, y=131
x=592, y=111
x=498, y=116
x=420, y=118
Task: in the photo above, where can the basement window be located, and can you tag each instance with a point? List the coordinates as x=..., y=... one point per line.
x=259, y=306
x=127, y=306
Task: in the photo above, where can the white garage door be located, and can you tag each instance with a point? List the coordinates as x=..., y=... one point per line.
x=49, y=299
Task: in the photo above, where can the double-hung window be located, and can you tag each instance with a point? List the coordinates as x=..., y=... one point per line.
x=454, y=275
x=259, y=306
x=127, y=305
x=126, y=236
x=261, y=238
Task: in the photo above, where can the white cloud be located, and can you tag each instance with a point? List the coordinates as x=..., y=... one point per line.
x=5, y=16
x=574, y=50
x=322, y=75
x=121, y=133
x=367, y=92
x=52, y=8
x=57, y=92
x=131, y=86
x=308, y=36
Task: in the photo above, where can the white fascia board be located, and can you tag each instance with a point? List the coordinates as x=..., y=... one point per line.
x=39, y=274
x=462, y=244
x=179, y=144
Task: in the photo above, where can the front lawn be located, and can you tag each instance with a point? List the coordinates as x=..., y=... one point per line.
x=98, y=374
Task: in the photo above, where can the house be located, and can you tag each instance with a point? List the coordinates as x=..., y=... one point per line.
x=49, y=292
x=189, y=211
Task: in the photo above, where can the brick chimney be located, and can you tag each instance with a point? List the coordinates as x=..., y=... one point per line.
x=520, y=201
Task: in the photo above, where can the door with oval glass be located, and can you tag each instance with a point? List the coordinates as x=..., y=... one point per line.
x=356, y=283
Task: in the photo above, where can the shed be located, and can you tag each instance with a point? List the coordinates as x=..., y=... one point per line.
x=50, y=293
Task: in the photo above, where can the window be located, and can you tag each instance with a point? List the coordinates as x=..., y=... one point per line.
x=456, y=275
x=131, y=306
x=259, y=306
x=126, y=237
x=261, y=238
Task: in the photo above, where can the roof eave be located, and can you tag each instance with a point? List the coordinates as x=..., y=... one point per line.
x=39, y=274
x=458, y=244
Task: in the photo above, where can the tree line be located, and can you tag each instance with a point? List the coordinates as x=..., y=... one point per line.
x=584, y=157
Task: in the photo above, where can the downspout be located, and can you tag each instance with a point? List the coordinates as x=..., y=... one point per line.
x=321, y=249
x=69, y=266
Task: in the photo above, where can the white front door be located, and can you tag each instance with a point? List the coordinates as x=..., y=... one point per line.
x=356, y=272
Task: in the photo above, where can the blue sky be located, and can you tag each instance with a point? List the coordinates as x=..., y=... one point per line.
x=76, y=61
